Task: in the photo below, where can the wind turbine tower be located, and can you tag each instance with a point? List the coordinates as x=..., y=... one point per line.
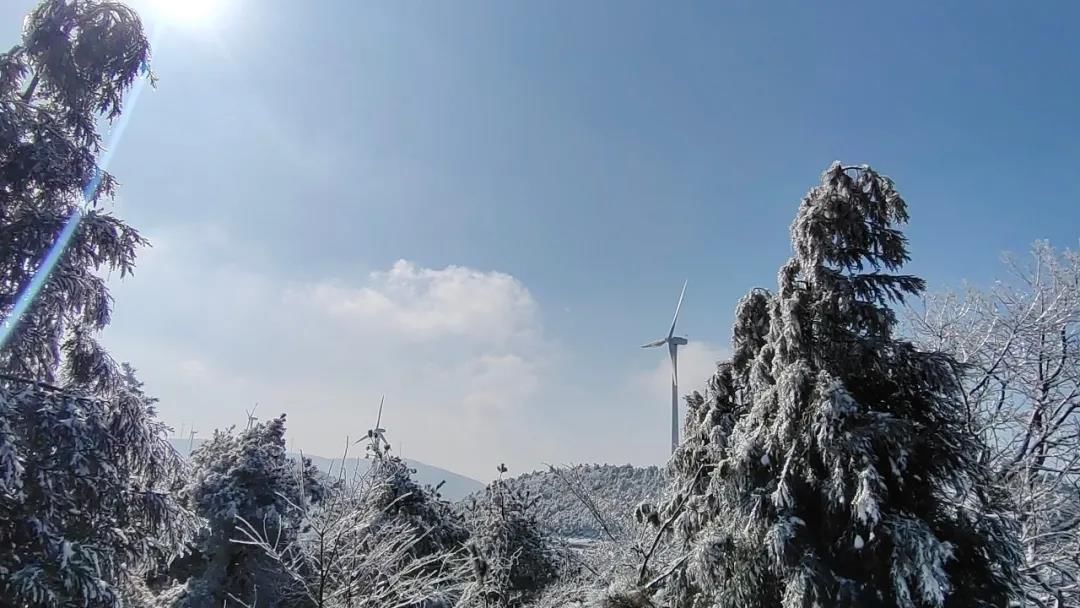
x=673, y=343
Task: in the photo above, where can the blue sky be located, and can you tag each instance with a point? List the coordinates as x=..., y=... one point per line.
x=549, y=173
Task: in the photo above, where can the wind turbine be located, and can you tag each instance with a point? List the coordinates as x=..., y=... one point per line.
x=376, y=437
x=251, y=417
x=673, y=343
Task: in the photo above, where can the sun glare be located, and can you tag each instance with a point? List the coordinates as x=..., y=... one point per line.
x=187, y=13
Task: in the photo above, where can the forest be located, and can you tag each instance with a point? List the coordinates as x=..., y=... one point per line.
x=868, y=443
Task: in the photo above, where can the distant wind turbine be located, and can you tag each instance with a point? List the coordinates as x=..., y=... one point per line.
x=673, y=343
x=376, y=437
x=251, y=417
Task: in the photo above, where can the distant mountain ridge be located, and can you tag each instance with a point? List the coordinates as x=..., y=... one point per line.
x=455, y=486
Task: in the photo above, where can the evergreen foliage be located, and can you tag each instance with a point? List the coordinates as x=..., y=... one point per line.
x=85, y=493
x=829, y=463
x=401, y=499
x=85, y=471
x=76, y=60
x=244, y=477
x=516, y=560
x=375, y=539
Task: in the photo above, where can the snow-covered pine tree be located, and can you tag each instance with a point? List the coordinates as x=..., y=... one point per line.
x=85, y=471
x=390, y=490
x=829, y=464
x=248, y=476
x=517, y=559
x=375, y=539
x=86, y=496
x=76, y=60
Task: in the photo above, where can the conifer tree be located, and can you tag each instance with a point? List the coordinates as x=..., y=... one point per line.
x=86, y=494
x=515, y=558
x=244, y=477
x=829, y=463
x=376, y=538
x=86, y=473
x=390, y=490
x=75, y=63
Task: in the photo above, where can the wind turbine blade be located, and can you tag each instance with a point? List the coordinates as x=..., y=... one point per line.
x=379, y=419
x=677, y=307
x=657, y=343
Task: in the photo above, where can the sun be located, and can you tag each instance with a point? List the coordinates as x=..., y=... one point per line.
x=186, y=13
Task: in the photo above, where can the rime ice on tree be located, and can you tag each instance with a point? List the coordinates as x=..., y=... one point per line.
x=828, y=463
x=85, y=471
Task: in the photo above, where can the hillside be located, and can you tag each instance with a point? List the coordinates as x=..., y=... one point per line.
x=456, y=487
x=616, y=490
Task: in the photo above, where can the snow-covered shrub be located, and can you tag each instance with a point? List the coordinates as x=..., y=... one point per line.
x=245, y=477
x=516, y=559
x=389, y=488
x=376, y=539
x=629, y=560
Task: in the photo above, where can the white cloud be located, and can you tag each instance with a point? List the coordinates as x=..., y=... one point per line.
x=459, y=352
x=423, y=303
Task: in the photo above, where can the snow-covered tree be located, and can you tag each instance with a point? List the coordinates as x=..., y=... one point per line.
x=245, y=477
x=376, y=539
x=86, y=495
x=517, y=558
x=1019, y=345
x=830, y=463
x=85, y=470
x=76, y=60
x=390, y=489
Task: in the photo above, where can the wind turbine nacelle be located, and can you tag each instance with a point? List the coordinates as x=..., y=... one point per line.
x=677, y=341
